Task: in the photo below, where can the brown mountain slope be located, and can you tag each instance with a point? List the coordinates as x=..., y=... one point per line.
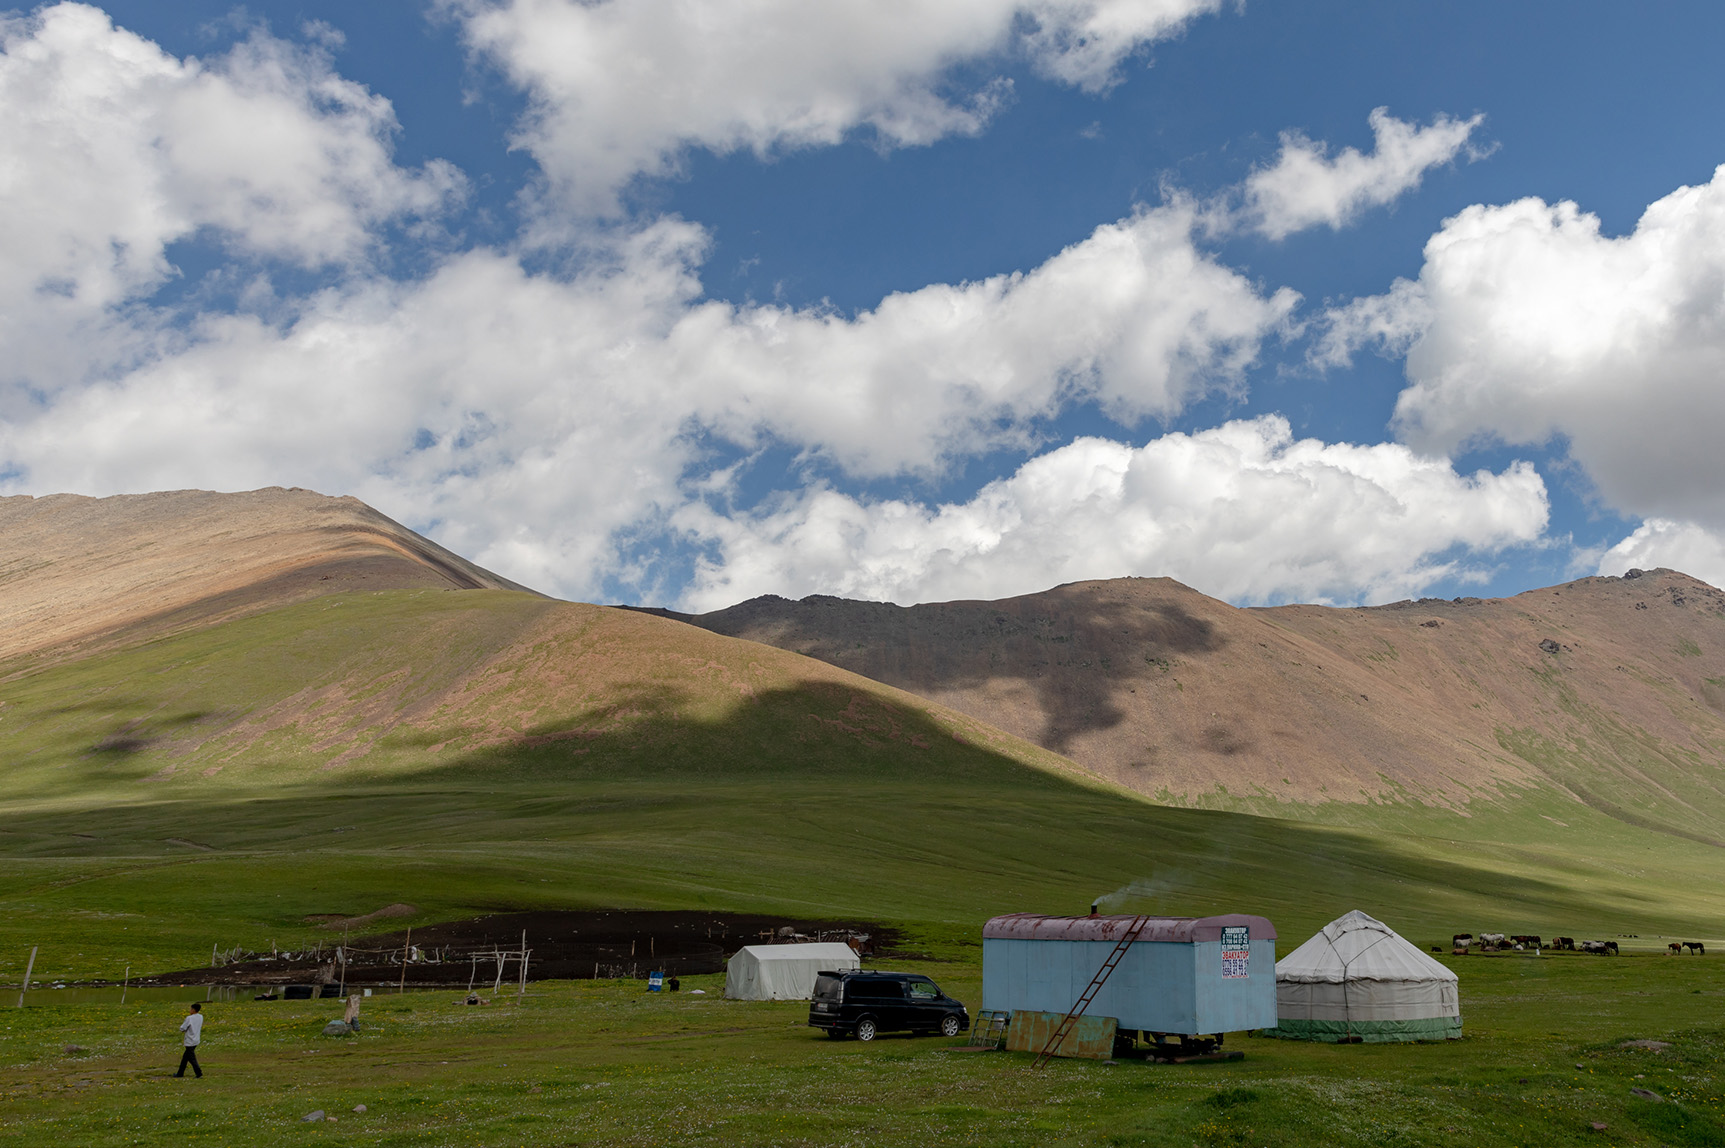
x=1184, y=697
x=77, y=571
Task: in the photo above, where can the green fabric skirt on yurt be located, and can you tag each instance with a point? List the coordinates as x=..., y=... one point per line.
x=1367, y=1031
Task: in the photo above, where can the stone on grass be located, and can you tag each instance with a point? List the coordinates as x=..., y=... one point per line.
x=359, y=1108
x=312, y=1117
x=1646, y=1094
x=338, y=1028
x=76, y=1050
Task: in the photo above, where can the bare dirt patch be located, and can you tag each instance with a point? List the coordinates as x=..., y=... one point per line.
x=563, y=945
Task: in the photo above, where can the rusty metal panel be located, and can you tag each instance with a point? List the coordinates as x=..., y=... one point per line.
x=1091, y=1038
x=1035, y=927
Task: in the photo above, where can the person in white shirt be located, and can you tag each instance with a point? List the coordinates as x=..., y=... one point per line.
x=193, y=1027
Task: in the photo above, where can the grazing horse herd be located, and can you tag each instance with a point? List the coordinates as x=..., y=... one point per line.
x=1464, y=943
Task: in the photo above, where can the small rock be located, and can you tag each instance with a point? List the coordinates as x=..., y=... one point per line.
x=329, y=1120
x=1628, y=574
x=1649, y=1045
x=359, y=1108
x=1598, y=1126
x=312, y=1117
x=1646, y=1094
x=1578, y=1068
x=1549, y=645
x=76, y=1050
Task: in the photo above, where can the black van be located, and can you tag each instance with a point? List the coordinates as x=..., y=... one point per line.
x=861, y=1004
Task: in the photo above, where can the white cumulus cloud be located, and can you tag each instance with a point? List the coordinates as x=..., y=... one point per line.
x=540, y=420
x=621, y=88
x=1306, y=186
x=1243, y=511
x=1684, y=546
x=112, y=150
x=531, y=418
x=1528, y=324
x=1135, y=317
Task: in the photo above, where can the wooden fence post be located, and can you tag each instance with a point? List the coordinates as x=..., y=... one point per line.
x=28, y=969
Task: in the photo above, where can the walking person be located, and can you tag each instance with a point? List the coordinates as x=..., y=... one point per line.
x=193, y=1027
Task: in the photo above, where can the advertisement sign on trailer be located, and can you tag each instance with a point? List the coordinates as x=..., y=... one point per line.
x=1236, y=952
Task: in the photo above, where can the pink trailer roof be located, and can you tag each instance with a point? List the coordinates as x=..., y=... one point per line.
x=1035, y=927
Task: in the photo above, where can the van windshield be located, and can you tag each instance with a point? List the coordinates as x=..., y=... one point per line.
x=827, y=987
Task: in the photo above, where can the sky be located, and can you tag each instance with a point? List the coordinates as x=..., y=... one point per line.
x=677, y=303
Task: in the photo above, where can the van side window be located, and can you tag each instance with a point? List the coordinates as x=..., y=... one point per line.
x=877, y=990
x=923, y=991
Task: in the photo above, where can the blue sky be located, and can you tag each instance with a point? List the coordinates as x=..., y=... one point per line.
x=680, y=303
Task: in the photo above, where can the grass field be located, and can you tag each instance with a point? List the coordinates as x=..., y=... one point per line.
x=606, y=1063
x=345, y=754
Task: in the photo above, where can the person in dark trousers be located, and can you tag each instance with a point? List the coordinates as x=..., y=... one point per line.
x=193, y=1027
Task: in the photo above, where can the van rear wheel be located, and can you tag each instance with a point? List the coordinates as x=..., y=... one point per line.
x=866, y=1028
x=949, y=1026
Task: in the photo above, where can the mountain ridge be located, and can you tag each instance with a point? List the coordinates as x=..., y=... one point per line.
x=78, y=573
x=1598, y=686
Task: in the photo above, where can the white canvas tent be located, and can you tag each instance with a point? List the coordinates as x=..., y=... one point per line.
x=784, y=972
x=1357, y=979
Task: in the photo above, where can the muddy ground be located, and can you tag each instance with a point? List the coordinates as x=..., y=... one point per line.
x=566, y=945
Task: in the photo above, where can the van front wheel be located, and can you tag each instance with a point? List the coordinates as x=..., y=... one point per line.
x=949, y=1026
x=866, y=1028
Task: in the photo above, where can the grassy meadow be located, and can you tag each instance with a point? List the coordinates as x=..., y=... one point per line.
x=606, y=1063
x=483, y=751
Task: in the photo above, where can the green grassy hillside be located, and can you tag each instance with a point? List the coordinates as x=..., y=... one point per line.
x=479, y=750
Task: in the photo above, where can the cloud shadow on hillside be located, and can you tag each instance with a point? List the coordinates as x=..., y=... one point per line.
x=1070, y=651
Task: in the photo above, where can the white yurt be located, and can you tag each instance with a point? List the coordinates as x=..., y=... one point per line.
x=784, y=972
x=1358, y=979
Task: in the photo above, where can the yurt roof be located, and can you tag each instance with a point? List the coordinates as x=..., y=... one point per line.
x=1358, y=947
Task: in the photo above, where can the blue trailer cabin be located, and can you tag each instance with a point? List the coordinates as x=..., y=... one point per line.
x=1182, y=975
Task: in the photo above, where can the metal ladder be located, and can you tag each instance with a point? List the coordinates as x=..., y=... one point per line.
x=1095, y=986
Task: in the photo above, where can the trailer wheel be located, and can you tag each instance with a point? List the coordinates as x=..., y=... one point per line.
x=949, y=1025
x=865, y=1028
